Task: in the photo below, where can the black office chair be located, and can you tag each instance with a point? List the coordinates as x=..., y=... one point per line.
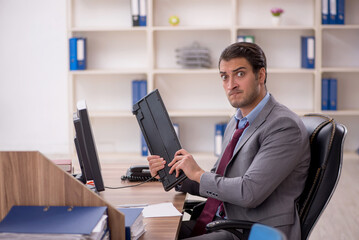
x=326, y=143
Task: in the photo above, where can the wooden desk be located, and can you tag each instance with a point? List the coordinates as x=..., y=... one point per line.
x=151, y=193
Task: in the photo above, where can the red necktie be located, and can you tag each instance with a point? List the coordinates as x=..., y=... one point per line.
x=212, y=204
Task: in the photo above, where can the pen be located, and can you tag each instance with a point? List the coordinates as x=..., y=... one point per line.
x=133, y=205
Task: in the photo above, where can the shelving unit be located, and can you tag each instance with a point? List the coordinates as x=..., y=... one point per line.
x=119, y=53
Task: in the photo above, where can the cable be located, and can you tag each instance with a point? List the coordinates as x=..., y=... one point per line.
x=134, y=185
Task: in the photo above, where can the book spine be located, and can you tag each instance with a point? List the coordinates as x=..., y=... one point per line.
x=245, y=38
x=77, y=48
x=218, y=137
x=332, y=11
x=333, y=87
x=325, y=11
x=142, y=91
x=81, y=53
x=143, y=13
x=176, y=127
x=135, y=13
x=308, y=52
x=135, y=91
x=73, y=53
x=340, y=12
x=325, y=94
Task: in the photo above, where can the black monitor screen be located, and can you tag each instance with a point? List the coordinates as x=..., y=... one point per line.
x=87, y=147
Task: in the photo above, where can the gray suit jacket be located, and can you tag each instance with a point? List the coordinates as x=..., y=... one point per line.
x=267, y=172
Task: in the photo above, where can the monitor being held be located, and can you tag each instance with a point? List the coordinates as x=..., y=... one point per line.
x=86, y=147
x=160, y=136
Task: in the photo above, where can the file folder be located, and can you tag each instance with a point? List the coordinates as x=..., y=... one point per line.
x=308, y=52
x=133, y=222
x=325, y=11
x=52, y=220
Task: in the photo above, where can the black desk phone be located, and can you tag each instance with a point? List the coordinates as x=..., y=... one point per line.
x=137, y=173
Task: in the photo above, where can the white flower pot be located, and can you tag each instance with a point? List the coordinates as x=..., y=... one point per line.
x=276, y=20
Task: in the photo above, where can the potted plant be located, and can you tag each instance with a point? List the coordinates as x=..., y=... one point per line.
x=276, y=15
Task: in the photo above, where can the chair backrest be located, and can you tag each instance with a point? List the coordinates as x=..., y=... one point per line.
x=326, y=143
x=263, y=232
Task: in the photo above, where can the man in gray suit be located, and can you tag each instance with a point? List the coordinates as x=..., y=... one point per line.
x=260, y=176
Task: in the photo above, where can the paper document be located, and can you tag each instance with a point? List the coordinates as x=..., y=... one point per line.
x=161, y=210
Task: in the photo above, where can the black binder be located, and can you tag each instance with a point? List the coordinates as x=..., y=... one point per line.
x=159, y=134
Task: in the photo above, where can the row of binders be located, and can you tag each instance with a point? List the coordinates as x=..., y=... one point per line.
x=329, y=94
x=139, y=13
x=333, y=11
x=64, y=222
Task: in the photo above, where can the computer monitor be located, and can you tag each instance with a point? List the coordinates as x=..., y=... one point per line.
x=81, y=151
x=87, y=152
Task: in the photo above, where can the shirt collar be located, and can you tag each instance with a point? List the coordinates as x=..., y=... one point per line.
x=253, y=114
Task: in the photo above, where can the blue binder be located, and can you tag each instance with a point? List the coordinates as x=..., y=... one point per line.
x=332, y=11
x=325, y=11
x=325, y=94
x=77, y=53
x=340, y=12
x=139, y=90
x=333, y=94
x=308, y=51
x=143, y=13
x=131, y=214
x=52, y=220
x=218, y=137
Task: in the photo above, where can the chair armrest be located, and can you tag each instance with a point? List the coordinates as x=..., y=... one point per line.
x=229, y=224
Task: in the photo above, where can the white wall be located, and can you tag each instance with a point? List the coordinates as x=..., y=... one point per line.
x=33, y=76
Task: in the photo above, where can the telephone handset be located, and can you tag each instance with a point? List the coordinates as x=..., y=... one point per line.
x=137, y=173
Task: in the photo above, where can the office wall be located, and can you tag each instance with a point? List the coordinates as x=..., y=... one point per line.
x=33, y=76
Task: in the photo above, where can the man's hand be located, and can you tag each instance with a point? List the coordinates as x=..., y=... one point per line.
x=185, y=162
x=155, y=163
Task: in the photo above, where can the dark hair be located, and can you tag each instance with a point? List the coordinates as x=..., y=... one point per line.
x=250, y=51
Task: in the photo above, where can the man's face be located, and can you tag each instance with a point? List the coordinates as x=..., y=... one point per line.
x=243, y=88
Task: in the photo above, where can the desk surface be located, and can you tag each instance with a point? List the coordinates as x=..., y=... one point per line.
x=150, y=193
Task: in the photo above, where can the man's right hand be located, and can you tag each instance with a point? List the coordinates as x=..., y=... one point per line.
x=155, y=163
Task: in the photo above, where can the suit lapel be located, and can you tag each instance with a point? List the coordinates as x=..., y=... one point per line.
x=260, y=119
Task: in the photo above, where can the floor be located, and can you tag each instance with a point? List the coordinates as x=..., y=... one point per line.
x=340, y=220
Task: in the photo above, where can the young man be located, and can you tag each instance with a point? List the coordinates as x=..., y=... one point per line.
x=264, y=163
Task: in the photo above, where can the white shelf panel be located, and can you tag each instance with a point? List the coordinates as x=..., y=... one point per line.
x=192, y=28
x=107, y=29
x=344, y=27
x=286, y=28
x=109, y=71
x=341, y=69
x=186, y=71
x=291, y=70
